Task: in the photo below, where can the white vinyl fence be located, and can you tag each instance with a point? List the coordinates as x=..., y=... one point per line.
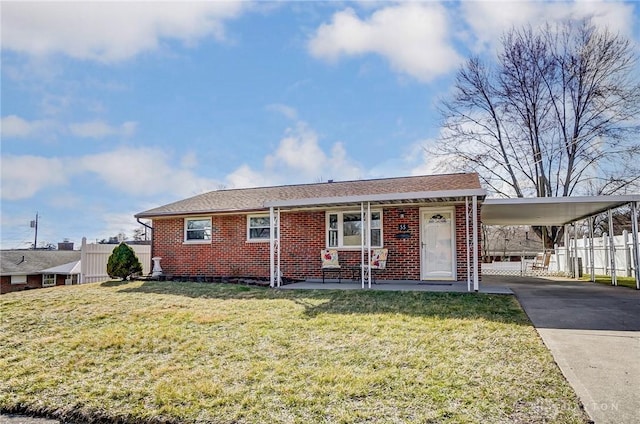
x=94, y=258
x=623, y=248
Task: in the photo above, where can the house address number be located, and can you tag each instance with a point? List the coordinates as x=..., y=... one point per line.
x=403, y=227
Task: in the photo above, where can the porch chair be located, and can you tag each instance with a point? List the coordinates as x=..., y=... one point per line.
x=378, y=262
x=541, y=262
x=330, y=263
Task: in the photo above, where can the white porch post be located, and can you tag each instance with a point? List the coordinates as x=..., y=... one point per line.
x=362, y=274
x=367, y=234
x=612, y=251
x=278, y=247
x=474, y=215
x=466, y=232
x=634, y=240
x=274, y=247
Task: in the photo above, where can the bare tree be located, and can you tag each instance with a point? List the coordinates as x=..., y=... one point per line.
x=558, y=115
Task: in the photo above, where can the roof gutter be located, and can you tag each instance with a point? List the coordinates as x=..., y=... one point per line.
x=142, y=223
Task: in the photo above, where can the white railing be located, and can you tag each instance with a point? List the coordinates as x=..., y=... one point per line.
x=94, y=258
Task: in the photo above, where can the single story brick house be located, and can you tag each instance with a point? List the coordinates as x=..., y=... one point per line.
x=32, y=269
x=429, y=224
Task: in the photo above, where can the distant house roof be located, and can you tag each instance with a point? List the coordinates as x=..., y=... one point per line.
x=26, y=262
x=70, y=268
x=253, y=199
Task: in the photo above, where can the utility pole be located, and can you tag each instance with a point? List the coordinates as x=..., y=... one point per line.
x=34, y=224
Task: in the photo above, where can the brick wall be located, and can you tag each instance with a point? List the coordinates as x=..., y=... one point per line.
x=33, y=282
x=303, y=235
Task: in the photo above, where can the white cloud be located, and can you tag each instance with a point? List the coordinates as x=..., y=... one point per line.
x=244, y=176
x=144, y=171
x=419, y=161
x=116, y=223
x=100, y=129
x=286, y=111
x=489, y=20
x=413, y=37
x=24, y=176
x=110, y=31
x=13, y=126
x=299, y=157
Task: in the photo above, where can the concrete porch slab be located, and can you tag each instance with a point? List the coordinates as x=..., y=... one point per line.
x=396, y=285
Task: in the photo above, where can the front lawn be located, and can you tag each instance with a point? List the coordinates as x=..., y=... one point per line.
x=190, y=352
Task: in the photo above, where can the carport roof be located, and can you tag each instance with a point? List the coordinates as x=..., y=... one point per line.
x=549, y=210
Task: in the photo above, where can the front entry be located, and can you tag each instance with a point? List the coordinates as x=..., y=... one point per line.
x=437, y=244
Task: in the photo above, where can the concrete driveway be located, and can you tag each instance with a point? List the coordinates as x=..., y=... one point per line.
x=593, y=333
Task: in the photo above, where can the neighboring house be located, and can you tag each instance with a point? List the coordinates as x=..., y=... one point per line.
x=510, y=243
x=425, y=222
x=30, y=269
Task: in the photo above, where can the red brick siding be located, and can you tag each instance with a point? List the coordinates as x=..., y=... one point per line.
x=303, y=235
x=34, y=281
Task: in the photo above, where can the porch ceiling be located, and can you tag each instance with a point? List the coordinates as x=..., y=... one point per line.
x=549, y=210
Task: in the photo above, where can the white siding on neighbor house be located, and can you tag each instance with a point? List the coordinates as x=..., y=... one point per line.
x=94, y=258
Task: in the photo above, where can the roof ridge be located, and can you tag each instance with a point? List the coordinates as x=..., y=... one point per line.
x=331, y=181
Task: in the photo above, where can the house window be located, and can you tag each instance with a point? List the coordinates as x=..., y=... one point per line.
x=197, y=230
x=344, y=229
x=18, y=279
x=258, y=228
x=48, y=280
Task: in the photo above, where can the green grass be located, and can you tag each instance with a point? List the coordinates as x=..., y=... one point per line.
x=188, y=352
x=606, y=279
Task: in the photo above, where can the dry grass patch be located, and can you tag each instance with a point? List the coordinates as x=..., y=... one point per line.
x=189, y=352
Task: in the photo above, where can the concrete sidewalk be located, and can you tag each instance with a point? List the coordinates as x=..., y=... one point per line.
x=593, y=333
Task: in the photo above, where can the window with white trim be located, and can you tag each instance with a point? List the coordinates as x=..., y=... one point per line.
x=258, y=227
x=344, y=229
x=48, y=280
x=197, y=230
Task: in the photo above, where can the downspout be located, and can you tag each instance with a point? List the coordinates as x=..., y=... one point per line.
x=151, y=229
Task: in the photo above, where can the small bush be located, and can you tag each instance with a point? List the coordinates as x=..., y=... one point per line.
x=123, y=262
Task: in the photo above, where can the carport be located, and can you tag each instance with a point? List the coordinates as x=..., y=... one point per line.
x=566, y=211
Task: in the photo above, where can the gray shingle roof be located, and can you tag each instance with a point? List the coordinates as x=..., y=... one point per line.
x=251, y=199
x=19, y=262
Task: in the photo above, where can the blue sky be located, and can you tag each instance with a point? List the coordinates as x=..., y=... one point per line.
x=109, y=109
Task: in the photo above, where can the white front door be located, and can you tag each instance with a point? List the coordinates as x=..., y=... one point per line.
x=437, y=251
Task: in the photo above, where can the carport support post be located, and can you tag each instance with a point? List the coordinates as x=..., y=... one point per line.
x=576, y=271
x=634, y=239
x=474, y=216
x=367, y=234
x=612, y=251
x=567, y=241
x=591, y=252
